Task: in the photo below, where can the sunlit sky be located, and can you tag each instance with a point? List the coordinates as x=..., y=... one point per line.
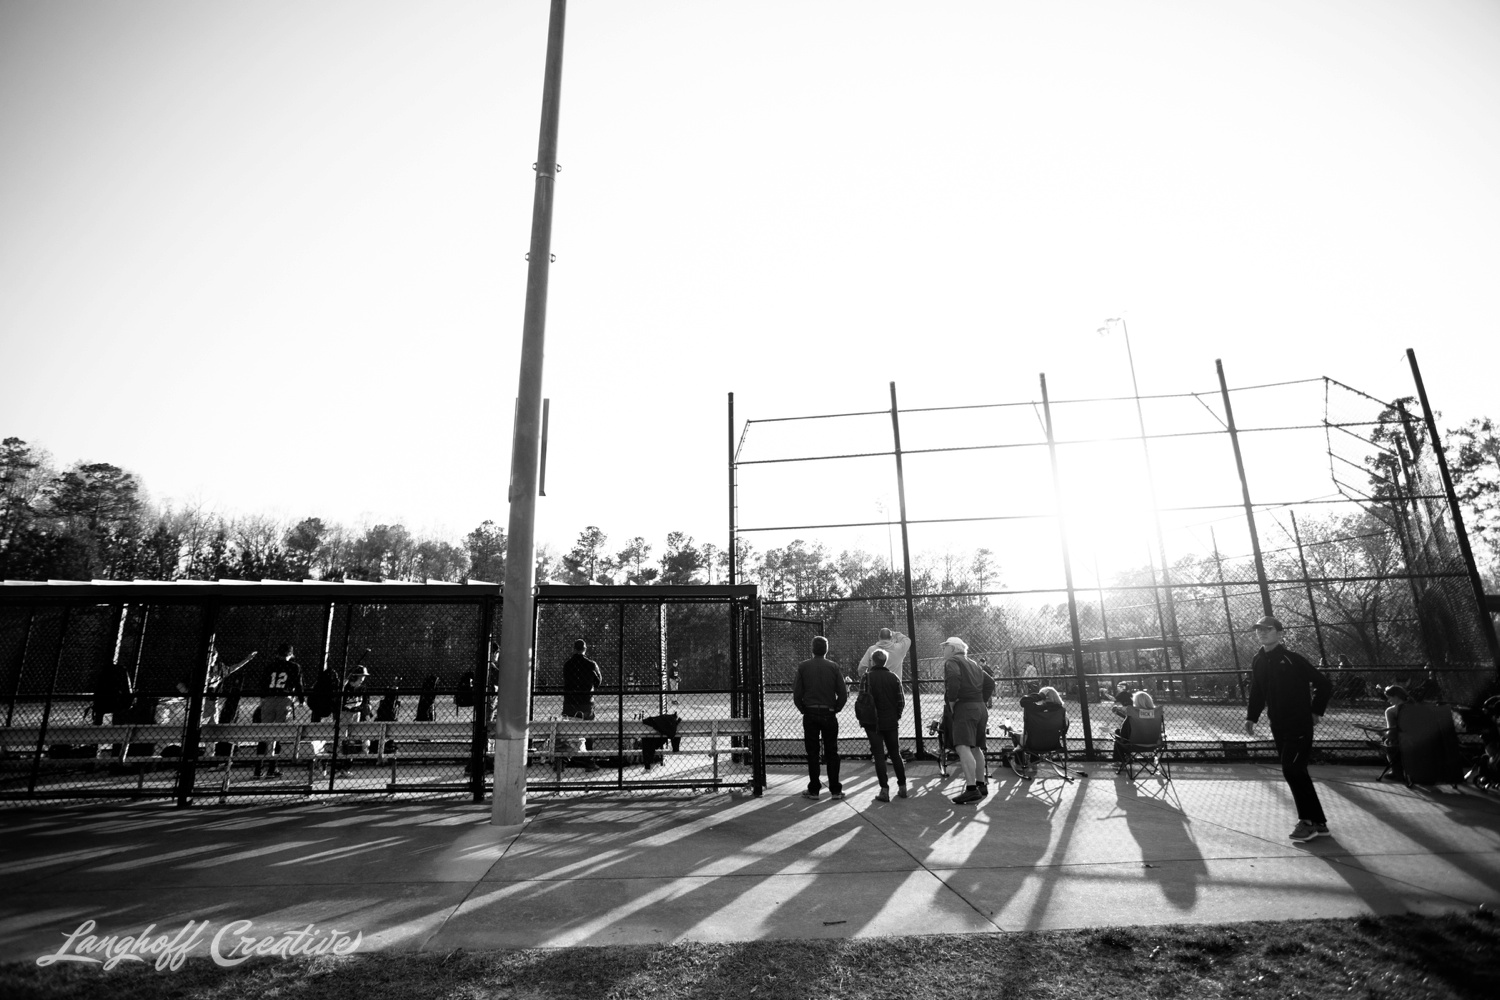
x=269, y=255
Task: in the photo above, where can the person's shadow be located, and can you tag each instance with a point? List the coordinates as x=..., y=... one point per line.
x=1169, y=852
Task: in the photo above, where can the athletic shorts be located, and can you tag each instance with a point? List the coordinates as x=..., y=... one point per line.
x=969, y=721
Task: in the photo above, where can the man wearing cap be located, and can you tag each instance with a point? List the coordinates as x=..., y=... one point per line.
x=1294, y=694
x=354, y=706
x=967, y=690
x=819, y=693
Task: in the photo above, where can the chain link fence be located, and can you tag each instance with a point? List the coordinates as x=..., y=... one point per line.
x=679, y=701
x=254, y=692
x=1165, y=534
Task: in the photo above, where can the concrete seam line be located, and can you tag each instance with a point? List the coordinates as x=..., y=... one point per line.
x=921, y=866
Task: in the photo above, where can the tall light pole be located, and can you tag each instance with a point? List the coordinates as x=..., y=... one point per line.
x=508, y=805
x=1161, y=547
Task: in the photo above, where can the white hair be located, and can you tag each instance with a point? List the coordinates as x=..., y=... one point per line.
x=957, y=643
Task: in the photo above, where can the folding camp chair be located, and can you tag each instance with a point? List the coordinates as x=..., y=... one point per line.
x=1041, y=740
x=1429, y=744
x=1145, y=750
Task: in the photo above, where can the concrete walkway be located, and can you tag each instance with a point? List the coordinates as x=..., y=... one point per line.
x=1210, y=847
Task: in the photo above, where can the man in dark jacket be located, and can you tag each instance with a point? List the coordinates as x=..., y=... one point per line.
x=1294, y=694
x=890, y=702
x=581, y=677
x=819, y=693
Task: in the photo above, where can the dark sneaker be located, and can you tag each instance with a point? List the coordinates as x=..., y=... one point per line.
x=900, y=791
x=1305, y=831
x=984, y=789
x=884, y=795
x=970, y=794
x=810, y=795
x=836, y=795
x=1322, y=829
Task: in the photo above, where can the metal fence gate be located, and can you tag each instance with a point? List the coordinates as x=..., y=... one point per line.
x=680, y=703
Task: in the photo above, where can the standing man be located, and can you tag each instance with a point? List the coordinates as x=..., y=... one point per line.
x=581, y=678
x=1294, y=694
x=895, y=644
x=967, y=690
x=283, y=682
x=819, y=693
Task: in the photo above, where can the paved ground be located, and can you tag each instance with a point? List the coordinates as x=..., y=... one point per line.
x=1210, y=847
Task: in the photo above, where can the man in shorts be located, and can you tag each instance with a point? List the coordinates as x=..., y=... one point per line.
x=967, y=689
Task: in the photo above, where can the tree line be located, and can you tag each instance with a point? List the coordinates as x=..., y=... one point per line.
x=96, y=521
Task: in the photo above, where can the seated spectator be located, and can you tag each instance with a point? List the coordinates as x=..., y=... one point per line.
x=1395, y=697
x=1038, y=710
x=1141, y=706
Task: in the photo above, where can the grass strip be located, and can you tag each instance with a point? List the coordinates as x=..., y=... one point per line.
x=1370, y=958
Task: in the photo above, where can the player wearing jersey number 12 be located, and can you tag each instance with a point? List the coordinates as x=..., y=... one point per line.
x=283, y=682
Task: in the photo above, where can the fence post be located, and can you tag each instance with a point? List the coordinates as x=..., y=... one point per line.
x=1486, y=625
x=479, y=736
x=338, y=705
x=187, y=768
x=41, y=736
x=1307, y=585
x=733, y=527
x=1234, y=649
x=920, y=751
x=757, y=695
x=15, y=689
x=1161, y=622
x=1239, y=464
x=1062, y=531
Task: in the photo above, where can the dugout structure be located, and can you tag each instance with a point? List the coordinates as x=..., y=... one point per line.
x=1143, y=533
x=116, y=690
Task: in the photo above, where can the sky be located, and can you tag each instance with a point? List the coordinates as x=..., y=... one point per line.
x=270, y=256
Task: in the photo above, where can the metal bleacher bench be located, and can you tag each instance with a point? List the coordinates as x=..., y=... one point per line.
x=554, y=741
x=393, y=742
x=384, y=744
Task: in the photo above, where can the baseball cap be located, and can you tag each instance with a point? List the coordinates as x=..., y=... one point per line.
x=1268, y=620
